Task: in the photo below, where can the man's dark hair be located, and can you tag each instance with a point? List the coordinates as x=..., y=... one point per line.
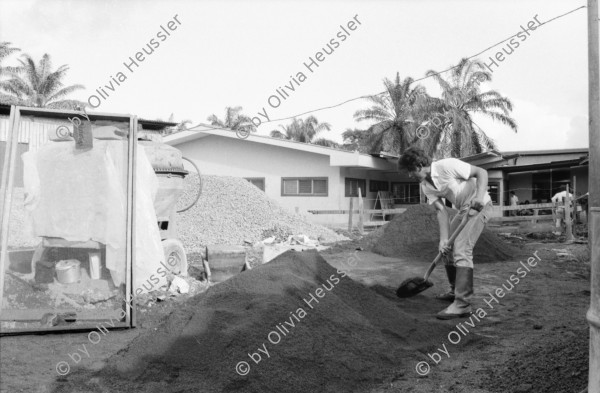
x=512, y=192
x=412, y=158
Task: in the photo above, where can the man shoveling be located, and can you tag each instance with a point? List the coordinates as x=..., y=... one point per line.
x=465, y=186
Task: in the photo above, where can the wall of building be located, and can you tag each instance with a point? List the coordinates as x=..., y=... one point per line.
x=521, y=184
x=221, y=156
x=579, y=179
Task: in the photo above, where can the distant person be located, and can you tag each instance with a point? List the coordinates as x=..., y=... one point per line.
x=464, y=185
x=560, y=197
x=514, y=201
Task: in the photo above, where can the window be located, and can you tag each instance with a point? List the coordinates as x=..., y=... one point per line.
x=304, y=186
x=493, y=190
x=352, y=186
x=257, y=181
x=405, y=193
x=378, y=185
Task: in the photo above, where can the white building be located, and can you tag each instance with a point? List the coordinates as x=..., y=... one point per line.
x=301, y=177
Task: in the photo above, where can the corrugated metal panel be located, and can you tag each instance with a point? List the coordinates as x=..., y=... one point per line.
x=32, y=131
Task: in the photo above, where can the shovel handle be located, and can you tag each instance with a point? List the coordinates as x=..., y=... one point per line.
x=460, y=227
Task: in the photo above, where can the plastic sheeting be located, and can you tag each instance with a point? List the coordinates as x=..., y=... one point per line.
x=82, y=195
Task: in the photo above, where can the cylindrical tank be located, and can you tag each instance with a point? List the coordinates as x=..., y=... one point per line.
x=168, y=166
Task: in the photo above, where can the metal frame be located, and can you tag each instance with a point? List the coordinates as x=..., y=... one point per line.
x=7, y=186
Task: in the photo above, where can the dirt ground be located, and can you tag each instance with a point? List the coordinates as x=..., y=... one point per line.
x=533, y=339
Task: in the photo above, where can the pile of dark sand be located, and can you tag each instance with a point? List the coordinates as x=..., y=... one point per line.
x=560, y=367
x=351, y=340
x=415, y=234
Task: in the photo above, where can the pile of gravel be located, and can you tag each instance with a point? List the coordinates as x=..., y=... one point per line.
x=415, y=234
x=233, y=211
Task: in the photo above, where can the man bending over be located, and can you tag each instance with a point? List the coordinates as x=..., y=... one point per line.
x=464, y=185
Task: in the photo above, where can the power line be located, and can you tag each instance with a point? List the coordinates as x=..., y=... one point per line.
x=384, y=92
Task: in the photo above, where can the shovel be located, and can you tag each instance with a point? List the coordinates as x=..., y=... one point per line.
x=415, y=285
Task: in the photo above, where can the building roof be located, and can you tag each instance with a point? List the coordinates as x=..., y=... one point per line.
x=337, y=157
x=155, y=125
x=582, y=150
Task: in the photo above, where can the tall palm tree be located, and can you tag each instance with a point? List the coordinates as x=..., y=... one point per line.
x=457, y=135
x=396, y=112
x=36, y=85
x=6, y=50
x=356, y=140
x=234, y=120
x=305, y=130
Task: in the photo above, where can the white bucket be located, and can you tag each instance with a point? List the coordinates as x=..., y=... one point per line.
x=67, y=271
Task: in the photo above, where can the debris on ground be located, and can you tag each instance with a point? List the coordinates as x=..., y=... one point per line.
x=297, y=243
x=415, y=234
x=231, y=210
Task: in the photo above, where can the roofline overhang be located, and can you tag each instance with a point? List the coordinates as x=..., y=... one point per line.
x=340, y=158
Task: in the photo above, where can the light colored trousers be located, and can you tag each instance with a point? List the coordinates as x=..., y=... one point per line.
x=462, y=251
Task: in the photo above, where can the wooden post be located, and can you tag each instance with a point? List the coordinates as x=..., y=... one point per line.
x=361, y=228
x=350, y=216
x=593, y=315
x=575, y=200
x=568, y=222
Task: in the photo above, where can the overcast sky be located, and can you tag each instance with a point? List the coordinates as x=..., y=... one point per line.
x=237, y=53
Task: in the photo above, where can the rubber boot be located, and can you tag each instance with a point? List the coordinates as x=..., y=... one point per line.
x=451, y=273
x=461, y=307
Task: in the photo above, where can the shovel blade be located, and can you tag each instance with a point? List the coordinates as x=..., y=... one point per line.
x=413, y=286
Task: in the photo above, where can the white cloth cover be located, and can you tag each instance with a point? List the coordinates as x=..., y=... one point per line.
x=82, y=195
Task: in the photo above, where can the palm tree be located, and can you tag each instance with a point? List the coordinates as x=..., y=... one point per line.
x=396, y=112
x=356, y=140
x=234, y=120
x=38, y=86
x=181, y=126
x=305, y=130
x=5, y=51
x=457, y=135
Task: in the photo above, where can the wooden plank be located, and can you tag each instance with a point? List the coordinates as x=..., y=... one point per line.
x=387, y=211
x=529, y=229
x=521, y=218
x=36, y=314
x=569, y=234
x=375, y=223
x=350, y=216
x=361, y=228
x=530, y=206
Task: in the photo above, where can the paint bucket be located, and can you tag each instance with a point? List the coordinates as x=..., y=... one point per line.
x=94, y=265
x=67, y=271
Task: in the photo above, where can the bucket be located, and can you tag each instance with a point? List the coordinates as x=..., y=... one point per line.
x=67, y=271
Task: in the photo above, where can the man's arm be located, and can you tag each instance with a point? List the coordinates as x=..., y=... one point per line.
x=482, y=182
x=442, y=216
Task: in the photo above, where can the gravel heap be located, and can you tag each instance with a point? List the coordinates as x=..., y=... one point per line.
x=233, y=211
x=415, y=234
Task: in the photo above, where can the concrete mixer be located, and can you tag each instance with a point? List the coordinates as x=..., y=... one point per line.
x=167, y=163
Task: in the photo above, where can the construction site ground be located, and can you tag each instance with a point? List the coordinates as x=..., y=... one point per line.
x=534, y=339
